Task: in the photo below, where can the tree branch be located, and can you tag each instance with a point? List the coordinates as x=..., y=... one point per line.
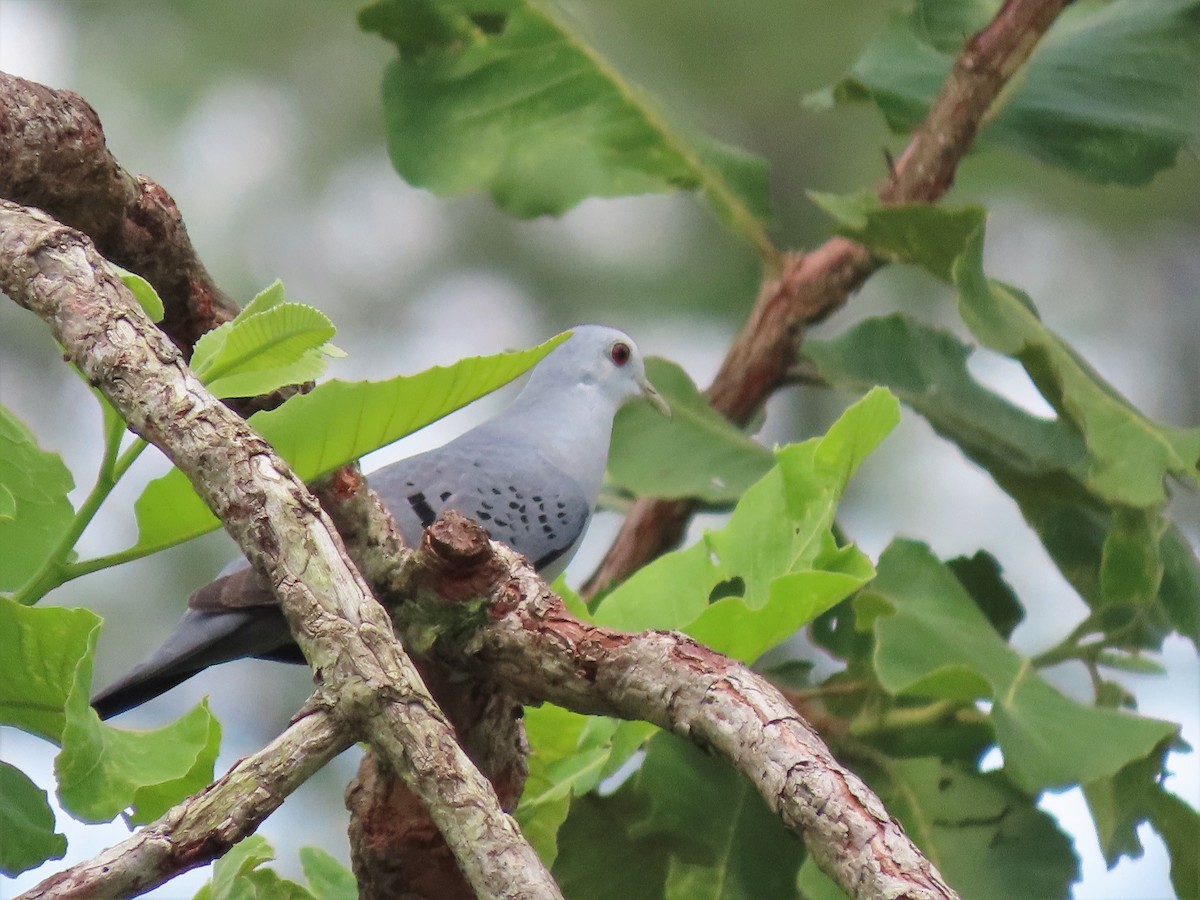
x=371, y=686
x=53, y=156
x=204, y=826
x=530, y=642
x=811, y=286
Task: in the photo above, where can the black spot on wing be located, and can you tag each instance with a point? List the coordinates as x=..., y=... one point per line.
x=421, y=507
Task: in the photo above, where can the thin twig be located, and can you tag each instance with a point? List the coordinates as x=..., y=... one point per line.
x=204, y=826
x=813, y=285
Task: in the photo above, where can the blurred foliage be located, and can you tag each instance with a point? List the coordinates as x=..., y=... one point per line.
x=186, y=50
x=1124, y=122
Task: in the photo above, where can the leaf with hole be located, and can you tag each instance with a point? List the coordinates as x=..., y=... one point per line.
x=775, y=565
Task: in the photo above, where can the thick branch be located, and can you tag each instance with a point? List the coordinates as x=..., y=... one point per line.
x=532, y=643
x=681, y=686
x=204, y=826
x=395, y=847
x=345, y=635
x=811, y=286
x=53, y=156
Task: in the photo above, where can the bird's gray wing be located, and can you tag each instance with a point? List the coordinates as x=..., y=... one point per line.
x=517, y=495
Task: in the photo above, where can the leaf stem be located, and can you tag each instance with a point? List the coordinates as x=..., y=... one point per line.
x=913, y=716
x=56, y=569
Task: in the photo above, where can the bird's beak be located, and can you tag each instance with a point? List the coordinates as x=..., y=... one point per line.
x=650, y=392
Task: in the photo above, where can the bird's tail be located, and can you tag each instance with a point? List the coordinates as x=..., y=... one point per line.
x=201, y=639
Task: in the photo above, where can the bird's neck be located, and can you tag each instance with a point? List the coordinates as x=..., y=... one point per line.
x=572, y=427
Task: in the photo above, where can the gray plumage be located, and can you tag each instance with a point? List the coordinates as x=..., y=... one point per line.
x=530, y=476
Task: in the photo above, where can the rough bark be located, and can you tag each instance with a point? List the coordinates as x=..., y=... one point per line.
x=53, y=156
x=396, y=849
x=531, y=643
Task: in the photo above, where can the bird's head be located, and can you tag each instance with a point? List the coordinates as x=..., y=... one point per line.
x=605, y=362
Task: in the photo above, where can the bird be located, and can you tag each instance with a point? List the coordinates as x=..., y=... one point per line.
x=530, y=476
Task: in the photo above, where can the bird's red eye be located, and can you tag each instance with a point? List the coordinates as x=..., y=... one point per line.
x=620, y=353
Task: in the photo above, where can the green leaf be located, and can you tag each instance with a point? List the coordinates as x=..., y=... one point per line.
x=27, y=836
x=1131, y=567
x=685, y=825
x=42, y=650
x=795, y=599
x=143, y=291
x=238, y=876
x=1121, y=803
x=245, y=856
x=268, y=350
x=816, y=885
x=211, y=344
x=553, y=735
x=569, y=755
x=742, y=852
x=927, y=236
x=775, y=565
x=599, y=859
x=335, y=423
x=327, y=878
x=1049, y=739
x=269, y=344
x=627, y=739
x=1129, y=455
x=989, y=841
x=1141, y=665
x=1179, y=826
x=983, y=579
x=927, y=369
x=932, y=640
x=104, y=770
x=45, y=683
x=1042, y=463
x=696, y=453
x=1112, y=93
x=1180, y=590
x=501, y=95
x=34, y=509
